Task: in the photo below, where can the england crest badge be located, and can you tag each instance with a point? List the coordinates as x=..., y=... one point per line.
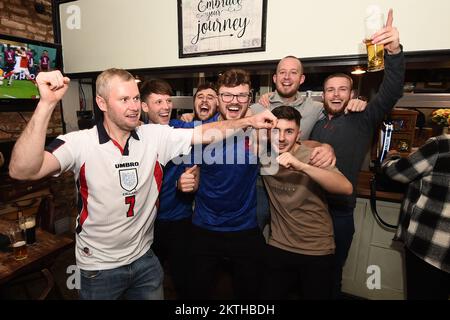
x=128, y=179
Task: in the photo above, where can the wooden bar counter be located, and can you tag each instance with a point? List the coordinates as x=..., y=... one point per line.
x=363, y=189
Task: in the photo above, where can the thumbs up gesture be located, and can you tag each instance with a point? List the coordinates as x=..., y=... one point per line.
x=188, y=181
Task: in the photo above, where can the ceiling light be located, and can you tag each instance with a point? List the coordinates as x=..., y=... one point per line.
x=358, y=70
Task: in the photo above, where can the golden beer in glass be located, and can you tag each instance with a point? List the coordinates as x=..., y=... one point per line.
x=375, y=56
x=20, y=250
x=18, y=243
x=375, y=52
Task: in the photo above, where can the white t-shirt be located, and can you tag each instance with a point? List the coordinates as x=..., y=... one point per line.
x=118, y=189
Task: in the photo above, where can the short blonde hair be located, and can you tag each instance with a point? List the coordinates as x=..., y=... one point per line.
x=102, y=83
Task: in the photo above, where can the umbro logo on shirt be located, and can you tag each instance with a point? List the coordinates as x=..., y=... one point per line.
x=127, y=165
x=128, y=175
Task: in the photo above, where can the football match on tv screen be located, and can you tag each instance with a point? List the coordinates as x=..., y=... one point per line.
x=20, y=63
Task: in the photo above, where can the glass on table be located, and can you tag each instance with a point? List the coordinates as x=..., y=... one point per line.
x=18, y=242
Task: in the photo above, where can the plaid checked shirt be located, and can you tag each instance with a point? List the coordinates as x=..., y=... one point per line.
x=425, y=213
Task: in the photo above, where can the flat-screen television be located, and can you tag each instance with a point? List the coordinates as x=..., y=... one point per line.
x=20, y=62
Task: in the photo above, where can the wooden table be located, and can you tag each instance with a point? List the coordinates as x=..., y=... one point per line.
x=41, y=254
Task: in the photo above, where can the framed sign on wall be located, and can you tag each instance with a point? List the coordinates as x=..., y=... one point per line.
x=213, y=27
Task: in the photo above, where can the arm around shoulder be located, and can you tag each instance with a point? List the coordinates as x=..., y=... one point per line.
x=220, y=130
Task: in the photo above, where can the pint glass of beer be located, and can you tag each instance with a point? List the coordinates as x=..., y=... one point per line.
x=375, y=52
x=18, y=243
x=28, y=225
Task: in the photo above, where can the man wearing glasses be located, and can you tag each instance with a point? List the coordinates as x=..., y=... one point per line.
x=224, y=221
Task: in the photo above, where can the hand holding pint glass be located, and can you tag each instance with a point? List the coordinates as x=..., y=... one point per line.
x=374, y=22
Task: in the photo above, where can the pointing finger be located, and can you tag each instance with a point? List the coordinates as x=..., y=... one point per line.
x=390, y=18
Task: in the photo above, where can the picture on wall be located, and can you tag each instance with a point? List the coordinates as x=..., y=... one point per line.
x=213, y=27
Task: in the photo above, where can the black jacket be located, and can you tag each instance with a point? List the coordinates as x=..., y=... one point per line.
x=351, y=135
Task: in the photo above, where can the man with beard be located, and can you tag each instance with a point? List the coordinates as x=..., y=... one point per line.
x=351, y=135
x=205, y=107
x=224, y=221
x=287, y=79
x=172, y=233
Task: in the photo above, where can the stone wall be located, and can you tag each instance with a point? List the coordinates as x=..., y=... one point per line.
x=19, y=18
